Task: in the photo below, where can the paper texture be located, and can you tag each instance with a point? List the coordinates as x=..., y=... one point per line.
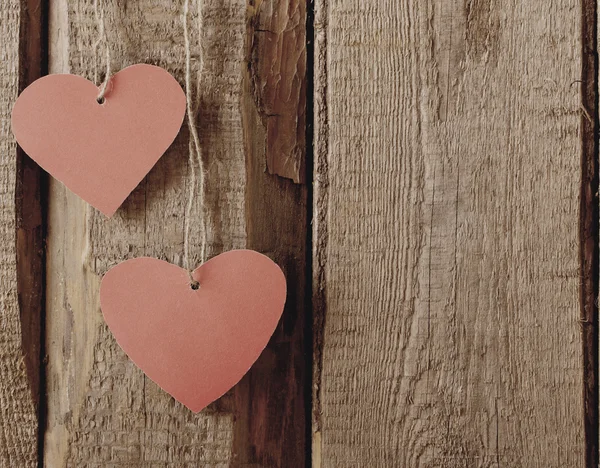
x=101, y=152
x=195, y=344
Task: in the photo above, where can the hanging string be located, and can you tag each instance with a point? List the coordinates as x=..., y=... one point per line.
x=99, y=11
x=86, y=255
x=195, y=153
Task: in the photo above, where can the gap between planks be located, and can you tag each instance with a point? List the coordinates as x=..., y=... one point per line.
x=30, y=197
x=589, y=237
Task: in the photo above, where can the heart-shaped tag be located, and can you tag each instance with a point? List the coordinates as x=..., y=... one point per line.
x=101, y=152
x=195, y=344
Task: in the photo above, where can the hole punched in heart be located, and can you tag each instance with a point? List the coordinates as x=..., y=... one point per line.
x=103, y=89
x=194, y=284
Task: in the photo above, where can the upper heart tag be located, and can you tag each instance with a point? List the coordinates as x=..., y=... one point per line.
x=195, y=344
x=101, y=152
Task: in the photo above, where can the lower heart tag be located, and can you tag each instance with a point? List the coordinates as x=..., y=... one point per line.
x=194, y=343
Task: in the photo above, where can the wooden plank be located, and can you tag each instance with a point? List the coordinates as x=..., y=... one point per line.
x=446, y=234
x=102, y=411
x=18, y=388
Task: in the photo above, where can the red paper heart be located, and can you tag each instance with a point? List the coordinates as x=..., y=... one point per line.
x=195, y=344
x=101, y=152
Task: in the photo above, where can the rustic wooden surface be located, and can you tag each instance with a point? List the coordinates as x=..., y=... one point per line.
x=446, y=234
x=18, y=389
x=449, y=171
x=102, y=411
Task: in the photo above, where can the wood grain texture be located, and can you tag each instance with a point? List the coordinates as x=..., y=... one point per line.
x=102, y=411
x=446, y=234
x=278, y=58
x=18, y=416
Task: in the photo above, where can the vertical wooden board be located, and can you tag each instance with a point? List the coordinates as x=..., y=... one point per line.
x=102, y=411
x=446, y=234
x=18, y=416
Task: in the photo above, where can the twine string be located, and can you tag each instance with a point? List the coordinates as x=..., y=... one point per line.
x=197, y=178
x=99, y=11
x=195, y=151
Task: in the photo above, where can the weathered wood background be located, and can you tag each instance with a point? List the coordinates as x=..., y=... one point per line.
x=425, y=172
